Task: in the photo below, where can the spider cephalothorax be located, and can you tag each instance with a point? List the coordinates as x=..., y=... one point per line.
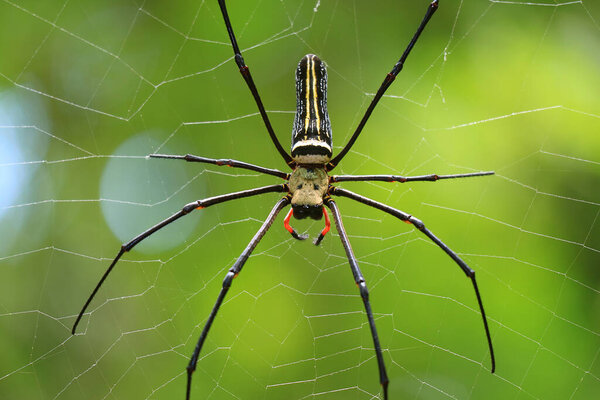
x=307, y=187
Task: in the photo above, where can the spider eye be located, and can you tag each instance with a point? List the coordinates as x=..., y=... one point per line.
x=316, y=187
x=299, y=186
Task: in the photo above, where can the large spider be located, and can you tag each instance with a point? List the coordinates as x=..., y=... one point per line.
x=308, y=188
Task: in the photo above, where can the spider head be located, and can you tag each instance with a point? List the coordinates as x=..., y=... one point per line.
x=308, y=186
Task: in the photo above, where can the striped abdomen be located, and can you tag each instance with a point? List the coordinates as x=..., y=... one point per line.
x=311, y=137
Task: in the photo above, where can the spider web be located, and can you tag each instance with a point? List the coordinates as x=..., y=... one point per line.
x=88, y=89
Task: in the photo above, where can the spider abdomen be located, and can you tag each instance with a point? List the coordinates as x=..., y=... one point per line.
x=311, y=135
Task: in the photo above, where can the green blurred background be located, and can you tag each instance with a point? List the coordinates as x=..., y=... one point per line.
x=88, y=89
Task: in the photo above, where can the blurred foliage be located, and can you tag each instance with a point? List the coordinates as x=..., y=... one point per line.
x=88, y=89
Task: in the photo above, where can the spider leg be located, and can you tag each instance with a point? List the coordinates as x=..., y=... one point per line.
x=233, y=272
x=318, y=240
x=239, y=60
x=386, y=83
x=402, y=179
x=224, y=161
x=290, y=229
x=421, y=226
x=188, y=208
x=364, y=292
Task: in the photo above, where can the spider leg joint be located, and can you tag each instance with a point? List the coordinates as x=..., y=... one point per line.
x=188, y=208
x=416, y=222
x=364, y=292
x=228, y=279
x=239, y=60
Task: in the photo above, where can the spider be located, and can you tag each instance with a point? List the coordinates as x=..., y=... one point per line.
x=308, y=188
